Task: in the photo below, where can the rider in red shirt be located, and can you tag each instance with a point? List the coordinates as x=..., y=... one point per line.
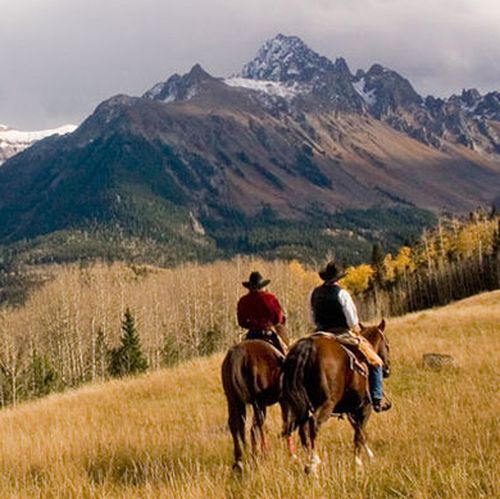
x=260, y=311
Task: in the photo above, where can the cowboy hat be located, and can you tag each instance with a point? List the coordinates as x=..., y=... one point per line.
x=332, y=272
x=256, y=281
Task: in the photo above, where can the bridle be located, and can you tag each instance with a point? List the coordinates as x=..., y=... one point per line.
x=386, y=369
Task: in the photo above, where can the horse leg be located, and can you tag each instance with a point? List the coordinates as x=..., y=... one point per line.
x=303, y=436
x=286, y=433
x=314, y=461
x=257, y=430
x=237, y=418
x=253, y=437
x=366, y=411
x=263, y=440
x=358, y=421
x=321, y=415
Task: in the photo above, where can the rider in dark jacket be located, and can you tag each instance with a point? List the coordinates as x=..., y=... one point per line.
x=334, y=311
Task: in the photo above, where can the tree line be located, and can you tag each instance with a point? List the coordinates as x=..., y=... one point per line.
x=90, y=322
x=457, y=259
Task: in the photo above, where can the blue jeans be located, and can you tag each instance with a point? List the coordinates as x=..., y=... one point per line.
x=376, y=383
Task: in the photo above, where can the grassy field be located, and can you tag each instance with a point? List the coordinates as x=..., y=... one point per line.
x=164, y=434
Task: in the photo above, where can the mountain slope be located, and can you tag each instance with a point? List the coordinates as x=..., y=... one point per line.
x=295, y=137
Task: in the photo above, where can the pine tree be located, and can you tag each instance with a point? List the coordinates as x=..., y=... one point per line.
x=128, y=357
x=43, y=375
x=171, y=353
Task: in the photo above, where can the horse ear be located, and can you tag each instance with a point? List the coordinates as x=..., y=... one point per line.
x=381, y=326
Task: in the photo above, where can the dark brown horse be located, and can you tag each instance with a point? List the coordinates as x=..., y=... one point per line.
x=251, y=373
x=318, y=380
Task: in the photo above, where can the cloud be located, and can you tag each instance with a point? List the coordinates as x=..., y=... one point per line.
x=60, y=58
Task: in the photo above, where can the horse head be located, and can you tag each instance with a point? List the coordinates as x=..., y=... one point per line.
x=376, y=336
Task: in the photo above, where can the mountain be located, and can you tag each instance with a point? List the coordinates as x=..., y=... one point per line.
x=293, y=154
x=469, y=119
x=14, y=141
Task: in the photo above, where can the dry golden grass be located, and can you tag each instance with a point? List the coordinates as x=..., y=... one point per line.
x=164, y=434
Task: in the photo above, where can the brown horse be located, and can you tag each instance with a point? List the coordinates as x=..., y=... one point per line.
x=251, y=375
x=318, y=381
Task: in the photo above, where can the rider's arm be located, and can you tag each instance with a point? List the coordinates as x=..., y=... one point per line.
x=276, y=310
x=311, y=308
x=349, y=308
x=243, y=320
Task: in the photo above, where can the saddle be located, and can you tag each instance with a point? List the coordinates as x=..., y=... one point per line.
x=358, y=344
x=268, y=336
x=350, y=343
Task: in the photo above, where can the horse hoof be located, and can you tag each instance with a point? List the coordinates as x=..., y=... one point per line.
x=238, y=467
x=312, y=467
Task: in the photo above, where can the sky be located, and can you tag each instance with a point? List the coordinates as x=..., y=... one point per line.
x=60, y=58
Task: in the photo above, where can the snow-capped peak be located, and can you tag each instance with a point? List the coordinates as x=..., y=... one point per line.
x=14, y=141
x=19, y=136
x=285, y=58
x=179, y=88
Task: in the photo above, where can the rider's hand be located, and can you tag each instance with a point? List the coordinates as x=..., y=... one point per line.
x=356, y=329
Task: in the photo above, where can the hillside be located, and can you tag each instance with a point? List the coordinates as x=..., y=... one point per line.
x=164, y=434
x=262, y=162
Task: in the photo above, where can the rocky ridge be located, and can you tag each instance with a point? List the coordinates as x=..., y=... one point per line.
x=286, y=71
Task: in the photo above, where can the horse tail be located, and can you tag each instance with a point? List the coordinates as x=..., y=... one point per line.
x=294, y=391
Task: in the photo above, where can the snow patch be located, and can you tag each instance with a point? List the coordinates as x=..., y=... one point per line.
x=155, y=91
x=15, y=141
x=469, y=109
x=191, y=93
x=266, y=86
x=173, y=93
x=168, y=98
x=18, y=136
x=369, y=97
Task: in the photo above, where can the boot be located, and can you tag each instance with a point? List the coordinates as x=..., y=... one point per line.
x=381, y=405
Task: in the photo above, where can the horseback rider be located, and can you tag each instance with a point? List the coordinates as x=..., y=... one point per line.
x=334, y=311
x=260, y=312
